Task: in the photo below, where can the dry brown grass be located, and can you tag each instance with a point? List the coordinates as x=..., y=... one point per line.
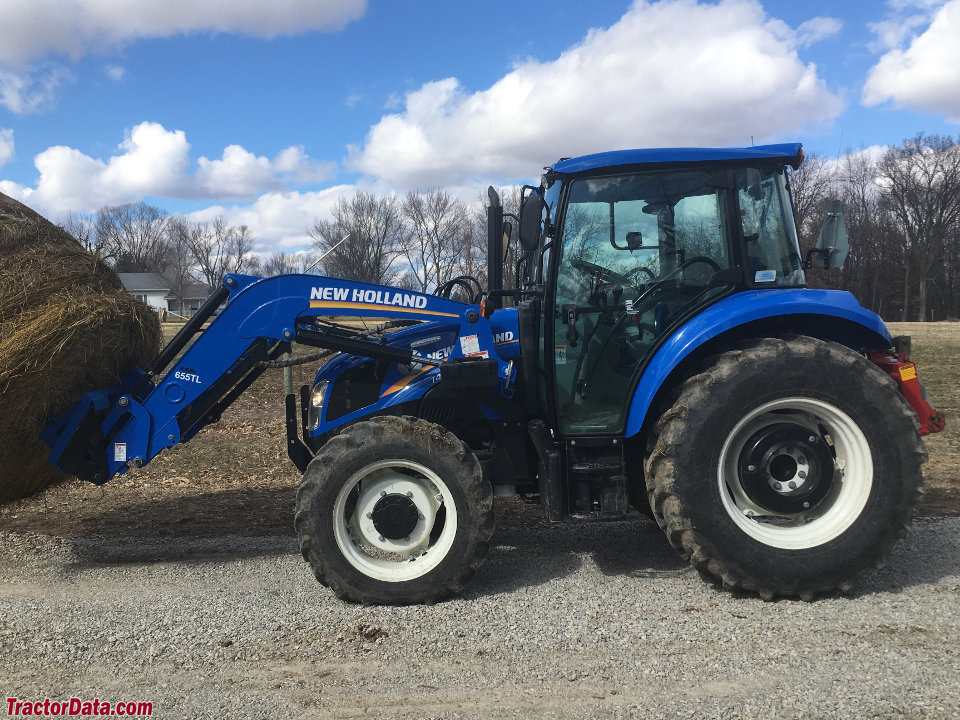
x=936, y=350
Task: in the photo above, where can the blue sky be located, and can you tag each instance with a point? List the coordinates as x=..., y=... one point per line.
x=268, y=112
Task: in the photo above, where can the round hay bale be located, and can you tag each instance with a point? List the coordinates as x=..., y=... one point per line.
x=66, y=327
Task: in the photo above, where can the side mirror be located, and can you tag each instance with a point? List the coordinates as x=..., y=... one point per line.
x=832, y=245
x=531, y=212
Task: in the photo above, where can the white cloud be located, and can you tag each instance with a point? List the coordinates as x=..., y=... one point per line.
x=816, y=29
x=6, y=146
x=280, y=220
x=155, y=161
x=32, y=29
x=239, y=174
x=670, y=73
x=115, y=72
x=923, y=75
x=27, y=91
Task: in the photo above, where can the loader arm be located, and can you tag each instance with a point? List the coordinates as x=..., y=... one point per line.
x=112, y=429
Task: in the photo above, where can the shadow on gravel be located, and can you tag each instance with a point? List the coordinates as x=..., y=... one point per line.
x=928, y=557
x=107, y=550
x=255, y=512
x=529, y=556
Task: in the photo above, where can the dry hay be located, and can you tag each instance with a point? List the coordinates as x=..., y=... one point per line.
x=66, y=327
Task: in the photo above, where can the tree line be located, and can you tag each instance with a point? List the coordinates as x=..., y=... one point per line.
x=902, y=213
x=417, y=241
x=901, y=207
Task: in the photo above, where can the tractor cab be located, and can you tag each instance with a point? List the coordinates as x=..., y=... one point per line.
x=630, y=245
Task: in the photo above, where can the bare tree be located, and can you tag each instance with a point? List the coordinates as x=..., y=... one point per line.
x=178, y=269
x=132, y=236
x=374, y=230
x=281, y=263
x=920, y=185
x=219, y=249
x=438, y=238
x=82, y=227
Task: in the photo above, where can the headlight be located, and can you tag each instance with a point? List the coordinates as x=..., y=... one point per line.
x=317, y=396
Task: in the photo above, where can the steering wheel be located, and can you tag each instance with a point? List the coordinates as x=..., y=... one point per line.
x=714, y=265
x=664, y=292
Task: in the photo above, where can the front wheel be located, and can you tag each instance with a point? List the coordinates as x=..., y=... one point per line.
x=394, y=511
x=786, y=467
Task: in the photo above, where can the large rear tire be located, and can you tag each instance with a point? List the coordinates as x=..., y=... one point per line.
x=394, y=511
x=786, y=467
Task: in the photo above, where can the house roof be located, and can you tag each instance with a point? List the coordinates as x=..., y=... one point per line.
x=192, y=291
x=144, y=282
x=154, y=283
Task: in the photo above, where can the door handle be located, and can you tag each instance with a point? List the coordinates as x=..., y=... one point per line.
x=570, y=315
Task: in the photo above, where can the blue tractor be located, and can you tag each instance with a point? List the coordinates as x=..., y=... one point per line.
x=660, y=352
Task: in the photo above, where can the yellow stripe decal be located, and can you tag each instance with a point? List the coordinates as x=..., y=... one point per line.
x=330, y=305
x=506, y=342
x=402, y=383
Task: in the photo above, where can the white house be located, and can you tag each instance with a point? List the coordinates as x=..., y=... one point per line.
x=152, y=289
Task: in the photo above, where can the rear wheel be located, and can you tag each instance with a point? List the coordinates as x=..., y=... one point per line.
x=394, y=511
x=786, y=467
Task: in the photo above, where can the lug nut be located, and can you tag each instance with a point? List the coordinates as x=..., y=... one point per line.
x=751, y=468
x=382, y=538
x=777, y=486
x=409, y=494
x=801, y=475
x=383, y=493
x=792, y=485
x=812, y=438
x=369, y=516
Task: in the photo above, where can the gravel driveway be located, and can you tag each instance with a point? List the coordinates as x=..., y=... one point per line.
x=578, y=621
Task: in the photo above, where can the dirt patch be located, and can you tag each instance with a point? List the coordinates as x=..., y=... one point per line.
x=234, y=477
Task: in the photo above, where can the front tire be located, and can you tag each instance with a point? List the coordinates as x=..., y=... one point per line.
x=394, y=511
x=786, y=468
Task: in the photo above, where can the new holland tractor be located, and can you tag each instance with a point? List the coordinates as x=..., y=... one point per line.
x=660, y=352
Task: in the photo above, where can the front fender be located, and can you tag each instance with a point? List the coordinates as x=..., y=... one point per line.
x=857, y=328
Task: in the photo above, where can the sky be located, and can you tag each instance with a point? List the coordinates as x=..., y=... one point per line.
x=268, y=112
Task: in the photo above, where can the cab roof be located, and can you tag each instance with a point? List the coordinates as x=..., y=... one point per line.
x=783, y=153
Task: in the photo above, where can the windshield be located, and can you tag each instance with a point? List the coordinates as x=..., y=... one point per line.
x=773, y=252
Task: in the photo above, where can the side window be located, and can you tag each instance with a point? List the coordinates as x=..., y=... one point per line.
x=700, y=234
x=773, y=251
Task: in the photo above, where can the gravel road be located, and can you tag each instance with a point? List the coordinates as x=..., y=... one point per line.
x=575, y=621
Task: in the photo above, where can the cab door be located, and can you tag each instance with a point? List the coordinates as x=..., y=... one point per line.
x=637, y=254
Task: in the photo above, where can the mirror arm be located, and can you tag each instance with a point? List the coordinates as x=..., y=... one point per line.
x=808, y=263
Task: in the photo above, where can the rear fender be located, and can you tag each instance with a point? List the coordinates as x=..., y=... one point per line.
x=828, y=314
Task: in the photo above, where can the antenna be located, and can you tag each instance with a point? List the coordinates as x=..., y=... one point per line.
x=317, y=261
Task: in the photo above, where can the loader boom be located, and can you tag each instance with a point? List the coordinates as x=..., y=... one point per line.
x=127, y=425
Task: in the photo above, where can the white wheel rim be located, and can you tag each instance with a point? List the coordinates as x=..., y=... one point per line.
x=397, y=559
x=836, y=512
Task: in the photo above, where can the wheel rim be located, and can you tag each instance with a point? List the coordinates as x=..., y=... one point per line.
x=394, y=520
x=795, y=473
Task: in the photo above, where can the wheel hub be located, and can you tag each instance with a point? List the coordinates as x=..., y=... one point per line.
x=786, y=468
x=395, y=516
x=395, y=513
